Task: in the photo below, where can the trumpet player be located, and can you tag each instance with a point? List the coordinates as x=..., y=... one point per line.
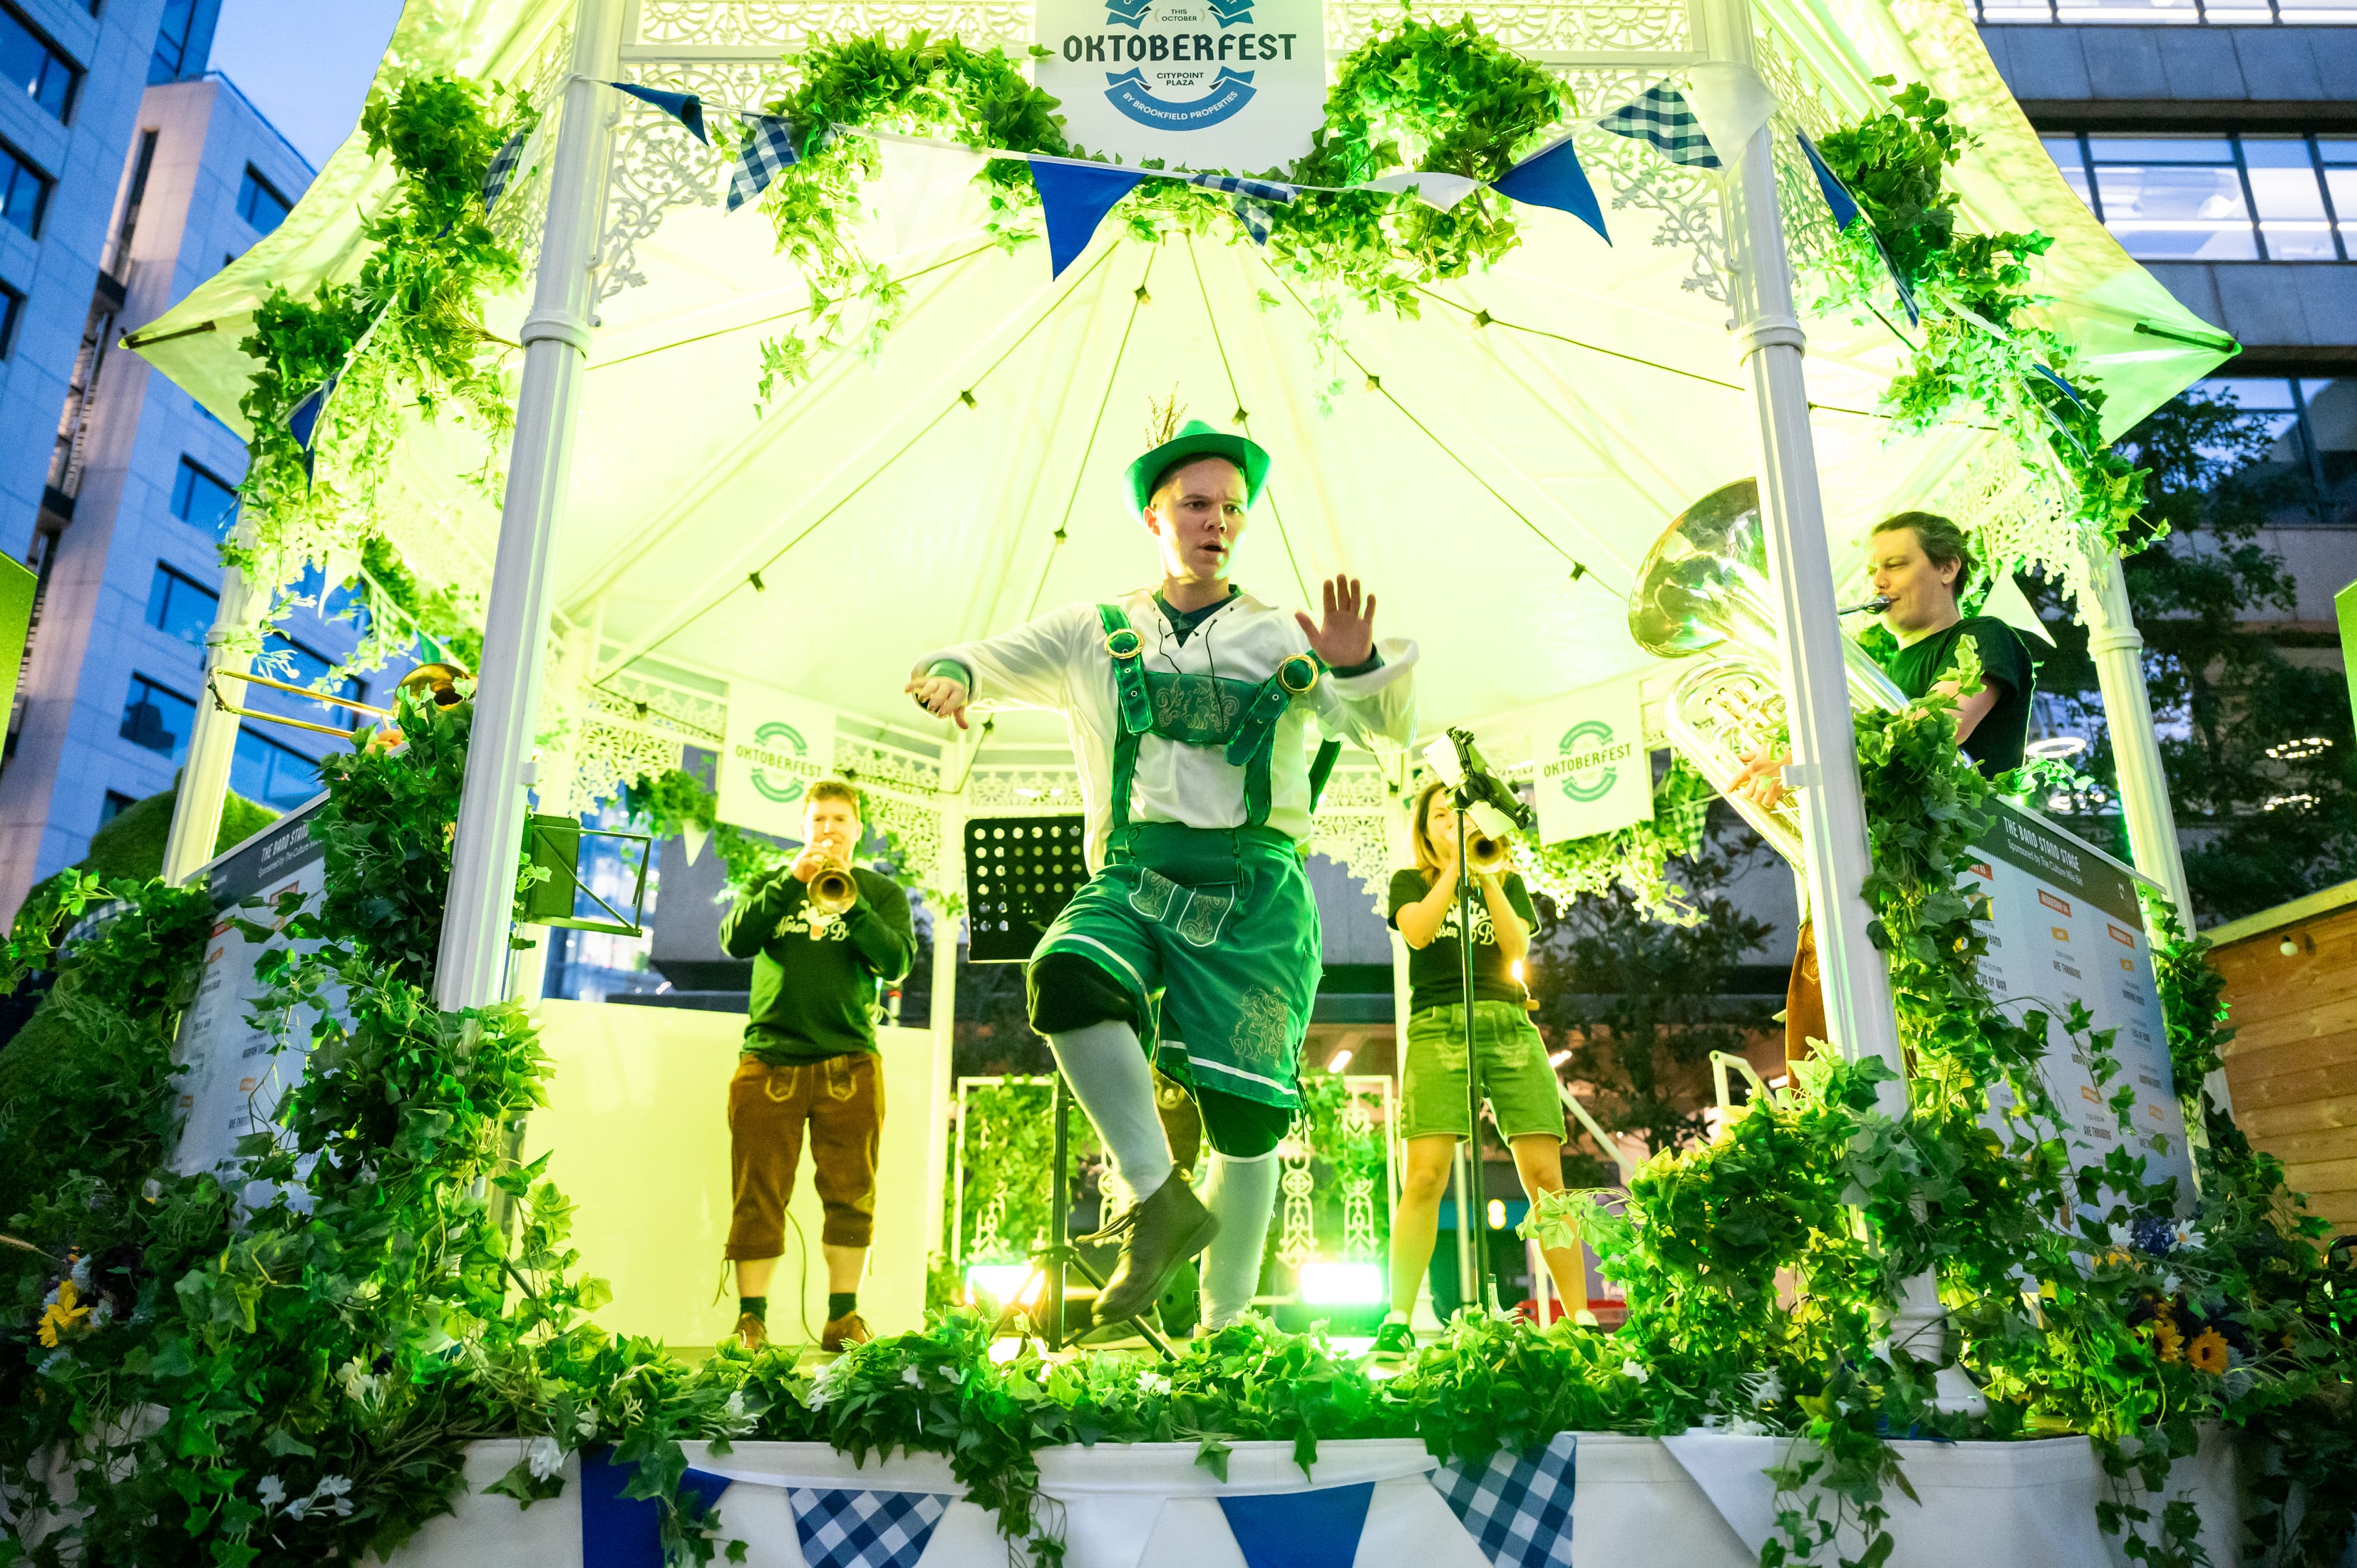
x=1515, y=1073
x=825, y=937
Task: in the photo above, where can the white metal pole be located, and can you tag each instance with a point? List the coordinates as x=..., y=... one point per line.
x=212, y=739
x=474, y=955
x=1769, y=340
x=1858, y=1010
x=2118, y=651
x=944, y=1028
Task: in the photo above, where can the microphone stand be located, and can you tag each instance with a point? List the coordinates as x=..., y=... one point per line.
x=1476, y=786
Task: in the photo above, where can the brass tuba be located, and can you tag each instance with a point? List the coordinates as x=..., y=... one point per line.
x=1704, y=589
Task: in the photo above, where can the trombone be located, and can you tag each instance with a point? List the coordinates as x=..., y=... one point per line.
x=436, y=678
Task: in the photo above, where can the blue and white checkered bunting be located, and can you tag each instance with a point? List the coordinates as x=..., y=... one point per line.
x=769, y=150
x=1254, y=218
x=1235, y=185
x=1517, y=1507
x=1661, y=117
x=863, y=1529
x=503, y=164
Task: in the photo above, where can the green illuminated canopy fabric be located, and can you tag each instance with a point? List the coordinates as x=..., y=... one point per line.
x=1495, y=470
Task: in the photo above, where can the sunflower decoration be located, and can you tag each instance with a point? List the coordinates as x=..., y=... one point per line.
x=2166, y=1336
x=63, y=1310
x=2208, y=1352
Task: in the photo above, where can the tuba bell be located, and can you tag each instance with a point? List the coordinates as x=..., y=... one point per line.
x=1704, y=589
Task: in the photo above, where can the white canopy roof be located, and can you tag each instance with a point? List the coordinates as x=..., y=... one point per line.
x=1495, y=484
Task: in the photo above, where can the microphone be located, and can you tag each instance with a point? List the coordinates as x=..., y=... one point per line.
x=1874, y=605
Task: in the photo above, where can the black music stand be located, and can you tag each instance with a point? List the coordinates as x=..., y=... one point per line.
x=1021, y=872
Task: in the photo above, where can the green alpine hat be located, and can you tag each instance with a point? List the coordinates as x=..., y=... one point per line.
x=1199, y=440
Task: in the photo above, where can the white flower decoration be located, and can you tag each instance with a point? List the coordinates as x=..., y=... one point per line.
x=2187, y=1237
x=1633, y=1371
x=1152, y=1383
x=272, y=1491
x=913, y=1378
x=544, y=1457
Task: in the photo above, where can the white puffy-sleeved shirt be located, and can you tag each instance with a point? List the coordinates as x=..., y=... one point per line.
x=1059, y=662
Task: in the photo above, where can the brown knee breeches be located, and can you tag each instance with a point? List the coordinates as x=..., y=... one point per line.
x=841, y=1100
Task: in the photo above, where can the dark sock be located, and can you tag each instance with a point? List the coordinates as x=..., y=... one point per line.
x=842, y=1304
x=757, y=1307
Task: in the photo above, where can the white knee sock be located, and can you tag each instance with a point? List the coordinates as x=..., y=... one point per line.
x=1242, y=1194
x=1109, y=1076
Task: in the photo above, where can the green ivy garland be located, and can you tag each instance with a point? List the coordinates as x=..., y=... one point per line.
x=407, y=333
x=1635, y=858
x=1441, y=97
x=1979, y=348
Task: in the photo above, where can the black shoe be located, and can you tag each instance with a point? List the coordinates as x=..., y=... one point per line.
x=1394, y=1342
x=1156, y=1235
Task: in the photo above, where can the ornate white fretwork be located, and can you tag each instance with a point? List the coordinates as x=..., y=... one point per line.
x=1353, y=826
x=1359, y=1190
x=688, y=26
x=520, y=218
x=658, y=167
x=1297, y=1238
x=1526, y=29
x=2016, y=513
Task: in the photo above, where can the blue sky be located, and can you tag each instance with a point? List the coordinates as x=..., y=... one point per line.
x=305, y=64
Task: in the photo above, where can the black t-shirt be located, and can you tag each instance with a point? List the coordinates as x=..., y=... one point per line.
x=1997, y=741
x=1433, y=977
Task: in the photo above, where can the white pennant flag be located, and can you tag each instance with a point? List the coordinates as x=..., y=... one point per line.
x=927, y=187
x=1731, y=102
x=1434, y=188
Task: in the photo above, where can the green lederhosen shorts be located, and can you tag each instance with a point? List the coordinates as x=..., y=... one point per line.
x=1214, y=934
x=1516, y=1078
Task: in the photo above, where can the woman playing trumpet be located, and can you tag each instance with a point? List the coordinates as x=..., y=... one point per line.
x=1515, y=1074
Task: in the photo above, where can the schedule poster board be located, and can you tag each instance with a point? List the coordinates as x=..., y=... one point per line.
x=236, y=1075
x=2065, y=926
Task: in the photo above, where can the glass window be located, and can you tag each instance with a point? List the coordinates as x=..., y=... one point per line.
x=32, y=65
x=24, y=191
x=113, y=806
x=172, y=40
x=277, y=776
x=157, y=718
x=259, y=203
x=203, y=498
x=2330, y=409
x=12, y=305
x=2174, y=198
x=2064, y=151
x=178, y=607
x=2339, y=159
x=2289, y=193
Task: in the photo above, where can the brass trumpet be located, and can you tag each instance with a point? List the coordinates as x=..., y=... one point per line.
x=834, y=889
x=1484, y=855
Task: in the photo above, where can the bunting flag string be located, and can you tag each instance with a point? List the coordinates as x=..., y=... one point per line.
x=1077, y=193
x=303, y=420
x=1300, y=1530
x=1661, y=117
x=626, y=1532
x=1829, y=185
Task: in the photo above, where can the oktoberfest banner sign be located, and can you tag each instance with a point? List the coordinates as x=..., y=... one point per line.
x=777, y=745
x=1589, y=763
x=1196, y=83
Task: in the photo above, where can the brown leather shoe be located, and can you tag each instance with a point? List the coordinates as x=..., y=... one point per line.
x=842, y=1333
x=1156, y=1235
x=751, y=1332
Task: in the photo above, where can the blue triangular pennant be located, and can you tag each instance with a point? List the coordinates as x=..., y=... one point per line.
x=1551, y=177
x=2068, y=390
x=854, y=1527
x=1300, y=1530
x=626, y=1532
x=303, y=420
x=687, y=108
x=503, y=163
x=1836, y=194
x=1516, y=1506
x=1075, y=198
x=767, y=151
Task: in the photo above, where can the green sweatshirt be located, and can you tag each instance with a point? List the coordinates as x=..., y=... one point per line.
x=815, y=992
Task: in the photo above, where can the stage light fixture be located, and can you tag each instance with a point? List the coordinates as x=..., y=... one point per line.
x=1341, y=1284
x=1338, y=1062
x=1558, y=1058
x=1497, y=1214
x=1008, y=1284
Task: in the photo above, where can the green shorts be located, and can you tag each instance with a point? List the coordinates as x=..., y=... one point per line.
x=1516, y=1078
x=1213, y=935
